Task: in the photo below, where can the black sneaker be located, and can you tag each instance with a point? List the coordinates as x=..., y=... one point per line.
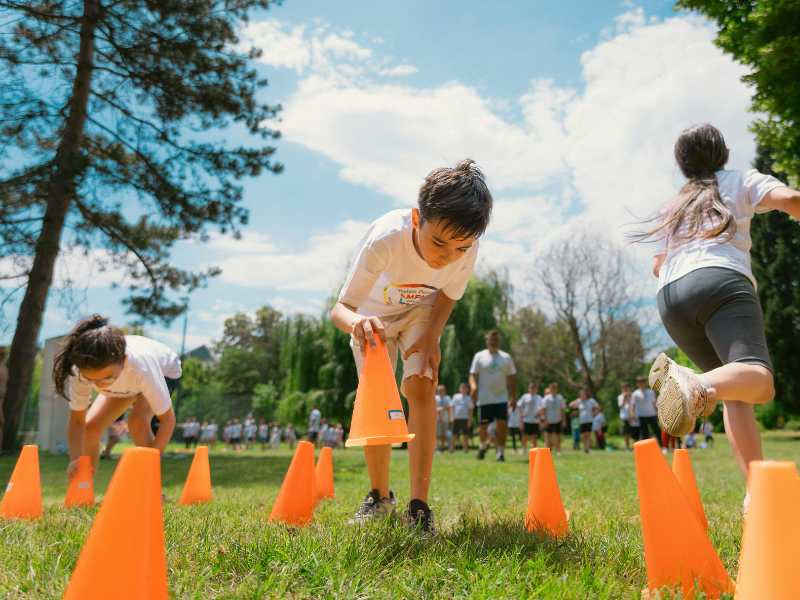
x=501, y=458
x=481, y=453
x=372, y=507
x=419, y=516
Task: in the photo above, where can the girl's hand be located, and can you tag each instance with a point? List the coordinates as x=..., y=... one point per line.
x=72, y=469
x=366, y=329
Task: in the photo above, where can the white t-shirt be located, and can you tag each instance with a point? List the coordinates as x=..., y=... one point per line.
x=554, y=408
x=250, y=430
x=388, y=276
x=263, y=431
x=530, y=405
x=314, y=420
x=645, y=402
x=462, y=406
x=624, y=407
x=210, y=430
x=492, y=371
x=742, y=192
x=598, y=422
x=586, y=410
x=708, y=428
x=443, y=404
x=191, y=429
x=236, y=430
x=513, y=416
x=147, y=363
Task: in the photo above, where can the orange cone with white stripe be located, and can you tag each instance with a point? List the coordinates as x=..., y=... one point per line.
x=81, y=487
x=23, y=497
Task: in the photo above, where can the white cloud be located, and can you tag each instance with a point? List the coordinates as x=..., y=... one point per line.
x=400, y=71
x=281, y=46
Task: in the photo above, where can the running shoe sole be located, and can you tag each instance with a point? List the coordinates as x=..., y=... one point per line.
x=673, y=405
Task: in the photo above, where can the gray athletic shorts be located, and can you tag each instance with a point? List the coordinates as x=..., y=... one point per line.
x=713, y=314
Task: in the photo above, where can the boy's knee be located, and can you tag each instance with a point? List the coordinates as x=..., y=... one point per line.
x=93, y=431
x=418, y=388
x=766, y=391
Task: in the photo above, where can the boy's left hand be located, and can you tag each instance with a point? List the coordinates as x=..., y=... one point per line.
x=428, y=347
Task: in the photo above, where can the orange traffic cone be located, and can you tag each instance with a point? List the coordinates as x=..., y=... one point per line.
x=545, y=510
x=81, y=488
x=771, y=543
x=297, y=497
x=23, y=497
x=378, y=417
x=531, y=465
x=324, y=473
x=198, y=482
x=677, y=551
x=124, y=555
x=682, y=468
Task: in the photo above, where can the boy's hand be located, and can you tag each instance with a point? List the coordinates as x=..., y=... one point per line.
x=428, y=347
x=366, y=329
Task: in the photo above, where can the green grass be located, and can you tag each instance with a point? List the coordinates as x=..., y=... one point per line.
x=227, y=549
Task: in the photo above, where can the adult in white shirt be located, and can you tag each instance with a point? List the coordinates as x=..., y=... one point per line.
x=444, y=417
x=626, y=410
x=644, y=403
x=555, y=415
x=462, y=415
x=531, y=405
x=587, y=408
x=125, y=371
x=492, y=382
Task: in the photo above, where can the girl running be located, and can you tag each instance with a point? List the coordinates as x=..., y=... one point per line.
x=126, y=371
x=707, y=293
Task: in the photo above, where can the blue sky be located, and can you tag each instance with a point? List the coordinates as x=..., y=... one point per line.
x=570, y=107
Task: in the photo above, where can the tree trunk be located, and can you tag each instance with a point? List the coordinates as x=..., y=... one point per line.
x=61, y=189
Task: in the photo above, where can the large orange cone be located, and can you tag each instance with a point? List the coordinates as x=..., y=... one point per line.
x=23, y=497
x=324, y=473
x=677, y=551
x=771, y=543
x=81, y=488
x=124, y=556
x=198, y=482
x=682, y=468
x=545, y=510
x=297, y=497
x=378, y=417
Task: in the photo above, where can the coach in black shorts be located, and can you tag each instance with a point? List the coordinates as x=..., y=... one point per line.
x=493, y=382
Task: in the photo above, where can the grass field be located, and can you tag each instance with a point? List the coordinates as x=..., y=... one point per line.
x=226, y=549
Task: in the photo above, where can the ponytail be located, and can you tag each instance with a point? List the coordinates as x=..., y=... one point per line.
x=92, y=344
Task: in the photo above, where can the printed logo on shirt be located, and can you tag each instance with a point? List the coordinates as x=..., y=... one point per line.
x=406, y=293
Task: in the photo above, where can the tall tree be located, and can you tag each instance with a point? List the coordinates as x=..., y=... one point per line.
x=763, y=35
x=776, y=248
x=108, y=109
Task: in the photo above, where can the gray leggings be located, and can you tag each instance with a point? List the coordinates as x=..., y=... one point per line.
x=714, y=316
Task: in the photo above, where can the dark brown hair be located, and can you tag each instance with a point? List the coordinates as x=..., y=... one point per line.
x=459, y=197
x=92, y=344
x=698, y=209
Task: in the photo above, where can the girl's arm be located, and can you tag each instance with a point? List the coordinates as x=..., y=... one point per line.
x=784, y=199
x=76, y=426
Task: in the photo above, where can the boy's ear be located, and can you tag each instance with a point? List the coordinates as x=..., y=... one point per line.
x=415, y=217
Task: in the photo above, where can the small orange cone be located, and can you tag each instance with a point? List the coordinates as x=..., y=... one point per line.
x=81, y=488
x=378, y=417
x=324, y=473
x=198, y=482
x=297, y=496
x=682, y=468
x=771, y=542
x=124, y=555
x=677, y=551
x=531, y=465
x=545, y=510
x=23, y=497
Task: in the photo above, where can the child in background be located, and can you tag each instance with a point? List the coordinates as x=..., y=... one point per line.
x=263, y=433
x=126, y=371
x=514, y=423
x=275, y=436
x=444, y=417
x=555, y=414
x=290, y=435
x=236, y=435
x=407, y=274
x=599, y=430
x=250, y=430
x=462, y=415
x=691, y=440
x=625, y=402
x=530, y=406
x=707, y=293
x=708, y=432
x=586, y=407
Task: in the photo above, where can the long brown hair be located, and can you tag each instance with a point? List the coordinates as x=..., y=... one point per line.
x=92, y=344
x=698, y=209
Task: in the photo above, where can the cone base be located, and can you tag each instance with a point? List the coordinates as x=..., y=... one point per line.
x=378, y=440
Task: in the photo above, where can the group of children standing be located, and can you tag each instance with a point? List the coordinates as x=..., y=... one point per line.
x=413, y=265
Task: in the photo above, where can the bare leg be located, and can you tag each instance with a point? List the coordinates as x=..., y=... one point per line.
x=741, y=382
x=378, y=460
x=139, y=423
x=102, y=413
x=502, y=432
x=587, y=441
x=422, y=423
x=742, y=432
x=483, y=434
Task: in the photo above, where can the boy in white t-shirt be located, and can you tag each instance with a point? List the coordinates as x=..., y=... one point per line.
x=126, y=371
x=555, y=414
x=462, y=415
x=444, y=418
x=587, y=408
x=409, y=270
x=707, y=293
x=530, y=406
